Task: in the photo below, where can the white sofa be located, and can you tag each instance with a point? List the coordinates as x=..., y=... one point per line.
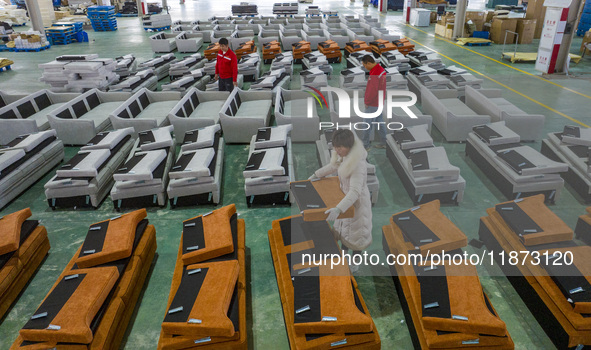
x=291, y=108
x=266, y=36
x=239, y=37
x=164, y=42
x=6, y=98
x=314, y=36
x=29, y=114
x=340, y=36
x=289, y=38
x=145, y=110
x=243, y=113
x=205, y=30
x=529, y=127
x=189, y=42
x=197, y=109
x=79, y=120
x=451, y=116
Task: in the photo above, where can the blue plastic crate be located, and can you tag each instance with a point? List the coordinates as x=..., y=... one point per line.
x=100, y=8
x=480, y=34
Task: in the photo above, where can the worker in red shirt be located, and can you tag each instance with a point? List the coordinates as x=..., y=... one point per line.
x=376, y=84
x=226, y=67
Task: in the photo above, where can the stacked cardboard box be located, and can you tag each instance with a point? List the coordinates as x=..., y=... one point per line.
x=526, y=28
x=499, y=28
x=586, y=40
x=537, y=11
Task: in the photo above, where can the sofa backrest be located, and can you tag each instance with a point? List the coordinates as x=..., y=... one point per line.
x=27, y=106
x=234, y=105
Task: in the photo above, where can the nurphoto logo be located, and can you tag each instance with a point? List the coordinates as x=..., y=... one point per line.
x=393, y=100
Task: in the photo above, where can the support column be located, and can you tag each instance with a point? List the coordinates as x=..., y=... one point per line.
x=165, y=5
x=35, y=15
x=460, y=18
x=572, y=23
x=383, y=6
x=139, y=8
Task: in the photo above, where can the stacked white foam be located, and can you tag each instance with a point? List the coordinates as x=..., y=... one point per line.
x=20, y=43
x=250, y=65
x=196, y=78
x=134, y=82
x=313, y=10
x=55, y=75
x=12, y=15
x=126, y=65
x=187, y=64
x=285, y=8
x=395, y=59
x=160, y=65
x=96, y=74
x=209, y=66
x=283, y=60
x=269, y=176
x=157, y=21
x=313, y=77
x=318, y=60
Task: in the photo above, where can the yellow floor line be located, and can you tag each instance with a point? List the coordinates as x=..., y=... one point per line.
x=499, y=62
x=505, y=86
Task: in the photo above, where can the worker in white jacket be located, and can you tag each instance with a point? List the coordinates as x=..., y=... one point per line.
x=349, y=162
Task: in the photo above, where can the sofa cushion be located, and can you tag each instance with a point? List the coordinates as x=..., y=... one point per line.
x=40, y=117
x=208, y=109
x=101, y=113
x=506, y=106
x=456, y=106
x=258, y=108
x=297, y=108
x=157, y=110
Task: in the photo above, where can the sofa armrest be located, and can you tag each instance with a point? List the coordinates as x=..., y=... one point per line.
x=73, y=131
x=529, y=126
x=11, y=128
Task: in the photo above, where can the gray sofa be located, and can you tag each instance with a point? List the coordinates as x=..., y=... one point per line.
x=29, y=114
x=164, y=42
x=489, y=101
x=266, y=36
x=189, y=42
x=243, y=113
x=197, y=109
x=291, y=108
x=314, y=36
x=239, y=37
x=6, y=98
x=451, y=116
x=145, y=110
x=363, y=34
x=288, y=38
x=340, y=36
x=79, y=120
x=205, y=30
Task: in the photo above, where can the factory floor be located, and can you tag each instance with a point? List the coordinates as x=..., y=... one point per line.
x=563, y=100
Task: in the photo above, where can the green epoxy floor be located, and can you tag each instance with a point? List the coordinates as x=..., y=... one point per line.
x=568, y=94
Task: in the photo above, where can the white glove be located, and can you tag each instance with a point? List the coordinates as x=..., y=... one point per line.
x=313, y=177
x=333, y=214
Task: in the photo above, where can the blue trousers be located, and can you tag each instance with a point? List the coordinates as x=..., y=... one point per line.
x=365, y=134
